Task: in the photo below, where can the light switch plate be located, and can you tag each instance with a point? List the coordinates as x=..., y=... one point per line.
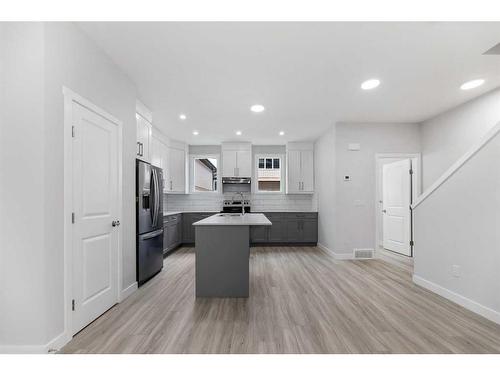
x=354, y=147
x=455, y=270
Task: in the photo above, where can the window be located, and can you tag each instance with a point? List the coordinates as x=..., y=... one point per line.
x=269, y=163
x=204, y=176
x=269, y=175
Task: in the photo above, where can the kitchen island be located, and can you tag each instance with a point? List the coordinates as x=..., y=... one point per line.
x=222, y=247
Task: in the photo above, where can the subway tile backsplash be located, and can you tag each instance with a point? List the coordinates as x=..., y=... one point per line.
x=259, y=202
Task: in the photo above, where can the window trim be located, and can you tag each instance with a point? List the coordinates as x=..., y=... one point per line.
x=255, y=182
x=192, y=158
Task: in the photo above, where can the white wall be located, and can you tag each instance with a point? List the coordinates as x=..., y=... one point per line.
x=458, y=224
x=448, y=136
x=74, y=61
x=324, y=186
x=22, y=257
x=355, y=200
x=49, y=56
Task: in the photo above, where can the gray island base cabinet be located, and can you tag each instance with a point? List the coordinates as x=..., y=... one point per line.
x=222, y=250
x=222, y=262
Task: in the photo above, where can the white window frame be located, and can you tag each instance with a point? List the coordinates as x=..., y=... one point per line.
x=255, y=182
x=192, y=158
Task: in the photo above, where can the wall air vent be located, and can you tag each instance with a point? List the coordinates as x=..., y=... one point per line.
x=363, y=253
x=495, y=50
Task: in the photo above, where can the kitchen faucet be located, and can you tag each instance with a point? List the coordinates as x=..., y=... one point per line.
x=242, y=203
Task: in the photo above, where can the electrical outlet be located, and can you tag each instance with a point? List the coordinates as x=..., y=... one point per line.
x=455, y=270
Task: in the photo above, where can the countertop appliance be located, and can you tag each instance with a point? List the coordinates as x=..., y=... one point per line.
x=149, y=220
x=234, y=206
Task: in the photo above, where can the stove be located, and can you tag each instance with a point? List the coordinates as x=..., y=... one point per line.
x=234, y=206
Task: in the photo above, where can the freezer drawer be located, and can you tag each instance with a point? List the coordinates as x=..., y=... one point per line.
x=149, y=255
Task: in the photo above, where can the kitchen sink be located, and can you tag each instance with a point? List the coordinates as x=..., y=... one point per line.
x=229, y=214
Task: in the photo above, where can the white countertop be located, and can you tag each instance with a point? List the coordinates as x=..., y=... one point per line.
x=224, y=219
x=168, y=213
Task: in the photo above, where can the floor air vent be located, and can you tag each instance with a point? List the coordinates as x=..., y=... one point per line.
x=363, y=253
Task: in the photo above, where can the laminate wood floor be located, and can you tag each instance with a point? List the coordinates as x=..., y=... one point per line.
x=301, y=301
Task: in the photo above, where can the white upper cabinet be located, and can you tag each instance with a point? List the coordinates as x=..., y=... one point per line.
x=236, y=159
x=157, y=153
x=170, y=156
x=144, y=120
x=229, y=165
x=176, y=175
x=244, y=163
x=144, y=130
x=300, y=168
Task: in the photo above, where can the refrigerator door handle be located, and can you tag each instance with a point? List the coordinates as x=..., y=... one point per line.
x=157, y=202
x=152, y=197
x=150, y=235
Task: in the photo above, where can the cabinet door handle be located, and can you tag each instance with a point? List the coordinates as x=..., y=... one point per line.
x=170, y=185
x=138, y=148
x=299, y=185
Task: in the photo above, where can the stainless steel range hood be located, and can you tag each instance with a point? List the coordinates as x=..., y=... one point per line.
x=236, y=184
x=236, y=180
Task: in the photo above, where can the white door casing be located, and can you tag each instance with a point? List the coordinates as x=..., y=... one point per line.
x=396, y=192
x=96, y=204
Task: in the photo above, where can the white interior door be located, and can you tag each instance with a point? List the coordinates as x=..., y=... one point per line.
x=95, y=206
x=396, y=192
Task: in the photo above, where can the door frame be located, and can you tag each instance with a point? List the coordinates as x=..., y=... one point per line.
x=416, y=183
x=71, y=97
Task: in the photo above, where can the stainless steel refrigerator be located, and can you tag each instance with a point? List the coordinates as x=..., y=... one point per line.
x=149, y=219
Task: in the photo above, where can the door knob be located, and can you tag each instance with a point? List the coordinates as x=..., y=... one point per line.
x=384, y=211
x=115, y=223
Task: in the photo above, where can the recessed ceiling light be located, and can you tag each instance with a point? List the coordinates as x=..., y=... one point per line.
x=182, y=116
x=195, y=132
x=238, y=132
x=370, y=84
x=282, y=132
x=257, y=108
x=472, y=84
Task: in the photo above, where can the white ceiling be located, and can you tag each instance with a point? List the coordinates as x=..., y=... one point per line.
x=307, y=75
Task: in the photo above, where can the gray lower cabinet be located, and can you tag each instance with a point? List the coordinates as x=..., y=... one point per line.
x=172, y=232
x=259, y=234
x=287, y=227
x=188, y=232
x=277, y=231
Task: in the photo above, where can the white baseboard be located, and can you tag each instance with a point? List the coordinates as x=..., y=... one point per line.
x=127, y=292
x=22, y=349
x=458, y=299
x=337, y=256
x=58, y=342
x=54, y=345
